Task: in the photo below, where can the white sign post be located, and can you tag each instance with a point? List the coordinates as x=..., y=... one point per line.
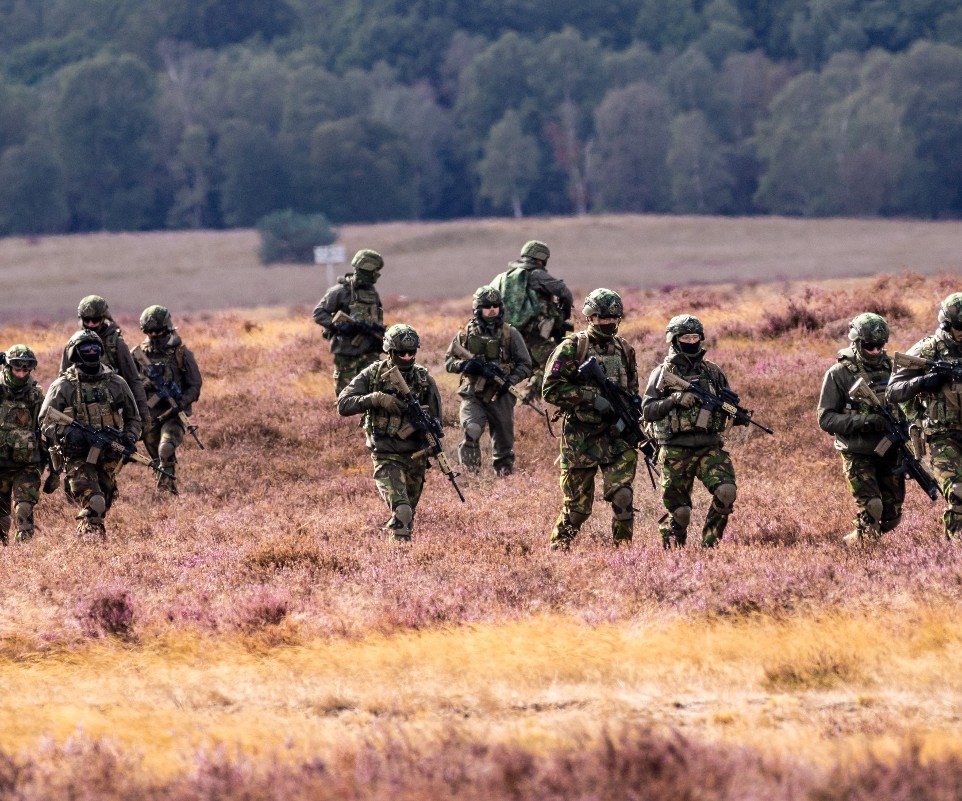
x=329, y=255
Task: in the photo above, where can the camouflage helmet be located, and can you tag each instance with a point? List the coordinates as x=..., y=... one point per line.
x=603, y=303
x=486, y=296
x=683, y=324
x=92, y=306
x=401, y=337
x=868, y=327
x=20, y=356
x=368, y=260
x=535, y=249
x=155, y=319
x=79, y=340
x=950, y=311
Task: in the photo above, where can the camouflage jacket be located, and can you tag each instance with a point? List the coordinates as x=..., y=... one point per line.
x=361, y=303
x=555, y=298
x=587, y=438
x=19, y=428
x=176, y=363
x=940, y=411
x=501, y=344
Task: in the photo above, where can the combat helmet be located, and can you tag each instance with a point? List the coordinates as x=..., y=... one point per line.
x=92, y=306
x=155, y=319
x=950, y=312
x=683, y=324
x=486, y=296
x=603, y=303
x=401, y=337
x=868, y=327
x=82, y=346
x=20, y=356
x=535, y=249
x=370, y=261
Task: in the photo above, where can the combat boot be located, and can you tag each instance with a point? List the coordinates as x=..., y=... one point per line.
x=23, y=536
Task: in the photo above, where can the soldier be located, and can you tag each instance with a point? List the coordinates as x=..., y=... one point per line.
x=538, y=304
x=21, y=460
x=95, y=316
x=489, y=343
x=877, y=489
x=396, y=449
x=355, y=343
x=165, y=364
x=94, y=395
x=590, y=436
x=937, y=398
x=690, y=446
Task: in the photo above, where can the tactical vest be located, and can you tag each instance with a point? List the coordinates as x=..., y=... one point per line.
x=614, y=355
x=110, y=348
x=18, y=431
x=495, y=348
x=876, y=376
x=365, y=304
x=385, y=424
x=93, y=404
x=170, y=361
x=943, y=409
x=682, y=421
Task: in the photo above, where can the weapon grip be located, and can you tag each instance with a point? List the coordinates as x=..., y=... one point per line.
x=905, y=360
x=670, y=381
x=57, y=417
x=862, y=391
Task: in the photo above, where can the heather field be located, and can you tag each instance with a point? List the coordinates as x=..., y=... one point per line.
x=258, y=638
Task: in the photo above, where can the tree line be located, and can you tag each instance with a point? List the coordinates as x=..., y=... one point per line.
x=122, y=115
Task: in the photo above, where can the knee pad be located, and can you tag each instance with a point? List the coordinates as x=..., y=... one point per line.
x=724, y=498
x=97, y=504
x=166, y=450
x=621, y=503
x=24, y=510
x=890, y=524
x=955, y=498
x=404, y=514
x=575, y=519
x=681, y=516
x=472, y=432
x=874, y=509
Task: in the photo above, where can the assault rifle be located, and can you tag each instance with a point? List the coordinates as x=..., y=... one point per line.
x=430, y=427
x=170, y=392
x=347, y=325
x=726, y=401
x=493, y=372
x=627, y=410
x=895, y=434
x=103, y=439
x=951, y=371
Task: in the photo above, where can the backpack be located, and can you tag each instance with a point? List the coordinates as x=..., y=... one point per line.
x=521, y=304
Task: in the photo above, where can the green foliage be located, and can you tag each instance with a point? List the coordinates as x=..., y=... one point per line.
x=509, y=167
x=32, y=196
x=291, y=238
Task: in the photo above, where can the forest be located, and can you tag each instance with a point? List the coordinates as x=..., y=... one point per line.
x=124, y=115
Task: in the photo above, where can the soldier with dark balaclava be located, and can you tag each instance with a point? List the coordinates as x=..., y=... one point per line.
x=859, y=430
x=93, y=394
x=935, y=401
x=21, y=459
x=690, y=446
x=591, y=438
x=94, y=315
x=397, y=449
x=355, y=344
x=488, y=340
x=164, y=358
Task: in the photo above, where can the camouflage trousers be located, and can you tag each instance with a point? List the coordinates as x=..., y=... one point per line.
x=84, y=481
x=878, y=492
x=679, y=468
x=19, y=493
x=498, y=415
x=540, y=350
x=578, y=489
x=399, y=480
x=346, y=367
x=945, y=458
x=161, y=443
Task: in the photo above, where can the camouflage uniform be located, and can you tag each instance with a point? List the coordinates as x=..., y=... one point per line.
x=356, y=296
x=878, y=491
x=937, y=403
x=117, y=354
x=395, y=445
x=483, y=402
x=690, y=446
x=166, y=355
x=589, y=440
x=21, y=460
x=97, y=397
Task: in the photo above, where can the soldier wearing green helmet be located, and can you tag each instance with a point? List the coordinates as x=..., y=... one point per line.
x=591, y=439
x=396, y=449
x=690, y=440
x=94, y=315
x=936, y=398
x=357, y=343
x=162, y=358
x=21, y=458
x=858, y=429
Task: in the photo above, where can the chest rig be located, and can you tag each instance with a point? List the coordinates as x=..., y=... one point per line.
x=364, y=304
x=680, y=420
x=93, y=404
x=494, y=347
x=383, y=423
x=875, y=375
x=18, y=432
x=943, y=409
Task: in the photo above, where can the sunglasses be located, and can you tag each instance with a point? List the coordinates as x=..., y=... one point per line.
x=20, y=364
x=873, y=345
x=490, y=306
x=956, y=326
x=93, y=320
x=406, y=354
x=162, y=332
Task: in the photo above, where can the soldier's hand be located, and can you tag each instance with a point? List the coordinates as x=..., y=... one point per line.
x=389, y=403
x=684, y=399
x=129, y=440
x=74, y=439
x=872, y=422
x=472, y=367
x=602, y=405
x=933, y=381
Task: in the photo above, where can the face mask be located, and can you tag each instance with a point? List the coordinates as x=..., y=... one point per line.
x=606, y=331
x=689, y=348
x=366, y=277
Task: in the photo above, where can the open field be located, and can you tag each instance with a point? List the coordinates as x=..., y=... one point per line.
x=258, y=638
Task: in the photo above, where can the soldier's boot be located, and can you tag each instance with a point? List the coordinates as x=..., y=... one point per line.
x=673, y=527
x=401, y=524
x=722, y=503
x=867, y=524
x=952, y=518
x=623, y=516
x=168, y=463
x=469, y=450
x=91, y=519
x=24, y=522
x=504, y=468
x=565, y=530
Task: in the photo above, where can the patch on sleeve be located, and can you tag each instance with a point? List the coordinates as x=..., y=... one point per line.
x=556, y=367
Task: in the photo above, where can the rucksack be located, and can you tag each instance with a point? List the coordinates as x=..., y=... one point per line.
x=521, y=304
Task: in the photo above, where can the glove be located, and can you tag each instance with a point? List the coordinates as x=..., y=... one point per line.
x=344, y=329
x=382, y=400
x=472, y=367
x=872, y=422
x=74, y=440
x=933, y=381
x=601, y=405
x=129, y=440
x=684, y=399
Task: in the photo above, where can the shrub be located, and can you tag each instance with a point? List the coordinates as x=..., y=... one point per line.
x=289, y=237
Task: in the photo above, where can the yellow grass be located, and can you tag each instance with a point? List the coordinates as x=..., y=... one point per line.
x=822, y=686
